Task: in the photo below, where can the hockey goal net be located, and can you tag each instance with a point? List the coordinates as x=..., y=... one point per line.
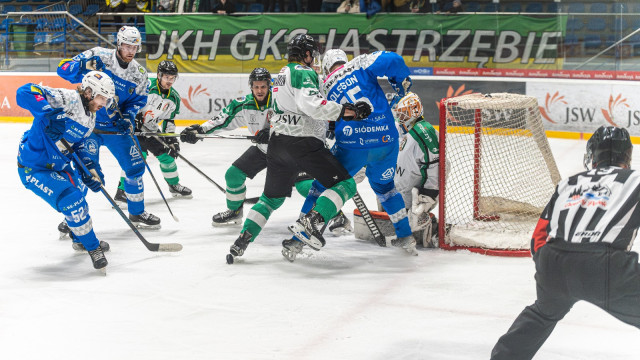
x=499, y=173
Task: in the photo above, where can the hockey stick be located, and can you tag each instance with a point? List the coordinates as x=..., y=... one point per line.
x=248, y=201
x=135, y=142
x=368, y=219
x=199, y=136
x=150, y=246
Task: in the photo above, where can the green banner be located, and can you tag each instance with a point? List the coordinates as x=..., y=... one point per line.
x=233, y=44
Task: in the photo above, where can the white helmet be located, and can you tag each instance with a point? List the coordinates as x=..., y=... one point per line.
x=130, y=35
x=331, y=57
x=100, y=84
x=408, y=111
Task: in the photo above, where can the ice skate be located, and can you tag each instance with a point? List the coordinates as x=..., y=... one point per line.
x=340, y=224
x=178, y=190
x=79, y=247
x=121, y=199
x=64, y=230
x=227, y=218
x=145, y=221
x=306, y=229
x=291, y=248
x=408, y=243
x=239, y=246
x=97, y=257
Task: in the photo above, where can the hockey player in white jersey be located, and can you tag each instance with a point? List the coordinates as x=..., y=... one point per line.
x=163, y=104
x=62, y=120
x=418, y=166
x=298, y=132
x=113, y=124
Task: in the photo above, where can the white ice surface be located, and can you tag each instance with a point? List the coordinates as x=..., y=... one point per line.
x=351, y=300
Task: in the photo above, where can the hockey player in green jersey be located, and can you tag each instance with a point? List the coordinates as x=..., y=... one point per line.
x=417, y=169
x=250, y=111
x=163, y=104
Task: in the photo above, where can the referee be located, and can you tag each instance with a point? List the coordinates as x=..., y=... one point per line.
x=581, y=247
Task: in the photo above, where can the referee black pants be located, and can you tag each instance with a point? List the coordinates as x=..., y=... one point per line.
x=566, y=274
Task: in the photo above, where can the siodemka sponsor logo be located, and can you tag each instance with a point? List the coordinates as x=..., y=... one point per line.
x=369, y=129
x=469, y=72
x=492, y=72
x=445, y=71
x=625, y=75
x=603, y=75
x=539, y=74
x=581, y=75
x=515, y=73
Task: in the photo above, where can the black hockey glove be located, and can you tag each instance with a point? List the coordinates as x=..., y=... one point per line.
x=189, y=134
x=174, y=146
x=139, y=122
x=363, y=110
x=261, y=137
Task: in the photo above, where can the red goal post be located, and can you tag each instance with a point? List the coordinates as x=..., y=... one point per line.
x=497, y=173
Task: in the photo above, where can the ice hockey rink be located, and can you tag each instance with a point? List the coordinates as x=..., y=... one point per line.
x=351, y=300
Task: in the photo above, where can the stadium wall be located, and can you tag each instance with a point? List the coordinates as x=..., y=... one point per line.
x=570, y=108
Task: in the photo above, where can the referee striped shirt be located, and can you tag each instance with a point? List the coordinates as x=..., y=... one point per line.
x=595, y=206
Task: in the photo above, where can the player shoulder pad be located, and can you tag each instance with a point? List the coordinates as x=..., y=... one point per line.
x=241, y=98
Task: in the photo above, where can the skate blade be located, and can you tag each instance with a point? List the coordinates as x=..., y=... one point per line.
x=121, y=206
x=182, y=196
x=142, y=226
x=64, y=236
x=341, y=231
x=289, y=255
x=226, y=224
x=103, y=271
x=313, y=242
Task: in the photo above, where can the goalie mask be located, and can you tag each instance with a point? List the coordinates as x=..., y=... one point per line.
x=609, y=146
x=408, y=111
x=331, y=58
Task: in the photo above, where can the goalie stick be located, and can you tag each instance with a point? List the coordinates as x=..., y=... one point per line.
x=368, y=219
x=170, y=247
x=248, y=200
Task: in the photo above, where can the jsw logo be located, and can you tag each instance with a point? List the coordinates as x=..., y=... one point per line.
x=289, y=119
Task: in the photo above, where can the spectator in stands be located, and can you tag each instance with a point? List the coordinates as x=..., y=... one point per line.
x=198, y=5
x=166, y=5
x=270, y=5
x=314, y=5
x=295, y=6
x=456, y=7
x=330, y=5
x=370, y=7
x=224, y=7
x=117, y=6
x=144, y=6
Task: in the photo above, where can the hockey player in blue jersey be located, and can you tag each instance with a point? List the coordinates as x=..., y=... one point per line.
x=113, y=124
x=64, y=118
x=371, y=142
